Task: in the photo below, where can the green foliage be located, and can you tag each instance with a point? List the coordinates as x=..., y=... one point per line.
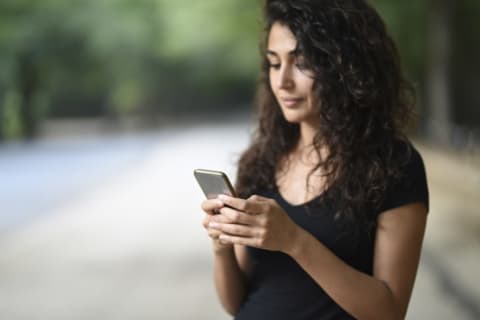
x=116, y=57
x=407, y=23
x=70, y=58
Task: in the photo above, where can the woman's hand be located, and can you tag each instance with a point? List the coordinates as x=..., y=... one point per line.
x=211, y=207
x=257, y=222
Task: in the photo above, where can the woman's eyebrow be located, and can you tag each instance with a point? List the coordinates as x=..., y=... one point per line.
x=272, y=53
x=294, y=52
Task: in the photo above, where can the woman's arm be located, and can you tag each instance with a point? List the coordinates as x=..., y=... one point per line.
x=231, y=262
x=231, y=276
x=384, y=295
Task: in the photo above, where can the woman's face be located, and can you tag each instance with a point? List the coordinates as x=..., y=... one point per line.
x=290, y=81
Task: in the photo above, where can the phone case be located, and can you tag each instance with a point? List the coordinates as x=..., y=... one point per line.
x=213, y=183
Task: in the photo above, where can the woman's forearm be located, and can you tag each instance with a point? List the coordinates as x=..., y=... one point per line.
x=360, y=294
x=230, y=281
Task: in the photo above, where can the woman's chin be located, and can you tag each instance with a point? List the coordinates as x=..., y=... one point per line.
x=298, y=116
x=293, y=118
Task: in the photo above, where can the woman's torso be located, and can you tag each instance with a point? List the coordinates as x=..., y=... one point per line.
x=279, y=287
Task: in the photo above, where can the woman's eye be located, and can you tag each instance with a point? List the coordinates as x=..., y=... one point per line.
x=274, y=65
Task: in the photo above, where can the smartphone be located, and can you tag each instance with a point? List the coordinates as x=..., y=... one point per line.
x=213, y=183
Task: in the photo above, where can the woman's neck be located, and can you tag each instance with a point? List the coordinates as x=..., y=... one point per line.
x=305, y=148
x=307, y=133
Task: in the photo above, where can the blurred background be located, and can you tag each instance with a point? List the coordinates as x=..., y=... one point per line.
x=106, y=107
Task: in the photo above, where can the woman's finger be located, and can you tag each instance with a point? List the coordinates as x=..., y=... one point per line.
x=215, y=218
x=235, y=216
x=245, y=241
x=205, y=221
x=249, y=206
x=235, y=229
x=214, y=234
x=210, y=206
x=256, y=197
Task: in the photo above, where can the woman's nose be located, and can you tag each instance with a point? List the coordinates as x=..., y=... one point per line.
x=285, y=80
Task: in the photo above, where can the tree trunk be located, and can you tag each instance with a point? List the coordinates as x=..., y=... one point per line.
x=438, y=65
x=27, y=86
x=2, y=114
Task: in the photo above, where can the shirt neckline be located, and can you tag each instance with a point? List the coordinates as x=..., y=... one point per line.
x=299, y=205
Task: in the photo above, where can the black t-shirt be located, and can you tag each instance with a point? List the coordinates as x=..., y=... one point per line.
x=281, y=289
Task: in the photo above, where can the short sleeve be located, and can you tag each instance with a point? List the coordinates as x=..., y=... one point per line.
x=412, y=185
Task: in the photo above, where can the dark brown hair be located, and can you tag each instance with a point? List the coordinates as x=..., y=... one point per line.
x=365, y=103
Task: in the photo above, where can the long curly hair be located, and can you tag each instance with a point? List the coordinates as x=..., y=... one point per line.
x=365, y=102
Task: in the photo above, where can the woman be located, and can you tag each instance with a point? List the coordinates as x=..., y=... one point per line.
x=333, y=198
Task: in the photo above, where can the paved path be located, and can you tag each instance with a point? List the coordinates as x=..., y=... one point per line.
x=126, y=242
x=37, y=177
x=448, y=280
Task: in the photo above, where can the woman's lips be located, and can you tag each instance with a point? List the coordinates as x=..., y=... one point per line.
x=291, y=102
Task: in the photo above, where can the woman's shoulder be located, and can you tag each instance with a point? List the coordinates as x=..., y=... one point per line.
x=409, y=183
x=411, y=161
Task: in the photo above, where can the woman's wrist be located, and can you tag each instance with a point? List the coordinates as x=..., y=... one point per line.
x=297, y=243
x=222, y=249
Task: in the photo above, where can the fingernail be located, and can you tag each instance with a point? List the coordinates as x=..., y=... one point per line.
x=213, y=225
x=222, y=197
